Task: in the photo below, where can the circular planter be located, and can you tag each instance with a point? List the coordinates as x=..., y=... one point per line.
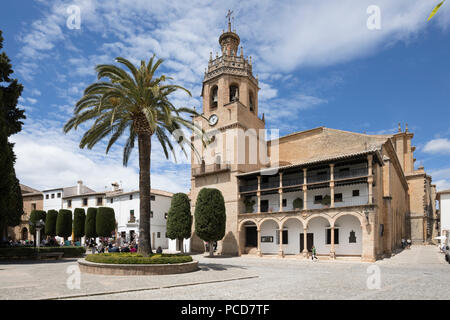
x=136, y=269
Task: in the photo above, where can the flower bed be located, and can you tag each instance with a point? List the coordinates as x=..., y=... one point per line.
x=135, y=258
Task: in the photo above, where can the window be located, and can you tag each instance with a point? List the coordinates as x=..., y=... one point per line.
x=251, y=102
x=69, y=203
x=131, y=212
x=214, y=98
x=355, y=193
x=317, y=199
x=285, y=236
x=85, y=202
x=284, y=202
x=158, y=234
x=321, y=173
x=338, y=197
x=165, y=215
x=152, y=198
x=131, y=197
x=53, y=196
x=46, y=196
x=336, y=236
x=33, y=206
x=99, y=201
x=352, y=237
x=267, y=239
x=151, y=214
x=59, y=195
x=111, y=200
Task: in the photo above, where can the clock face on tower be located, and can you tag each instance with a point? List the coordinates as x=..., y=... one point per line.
x=213, y=119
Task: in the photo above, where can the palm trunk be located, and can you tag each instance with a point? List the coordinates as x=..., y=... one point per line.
x=144, y=245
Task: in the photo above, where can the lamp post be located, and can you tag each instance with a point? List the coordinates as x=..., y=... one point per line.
x=39, y=225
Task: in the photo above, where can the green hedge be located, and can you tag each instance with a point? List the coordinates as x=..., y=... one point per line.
x=31, y=252
x=50, y=223
x=64, y=223
x=105, y=222
x=89, y=226
x=79, y=218
x=136, y=258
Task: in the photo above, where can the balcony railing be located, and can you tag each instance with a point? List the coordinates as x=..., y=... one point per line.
x=248, y=188
x=318, y=178
x=270, y=185
x=292, y=182
x=211, y=168
x=352, y=173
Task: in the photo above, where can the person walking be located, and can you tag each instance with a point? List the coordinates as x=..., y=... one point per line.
x=313, y=253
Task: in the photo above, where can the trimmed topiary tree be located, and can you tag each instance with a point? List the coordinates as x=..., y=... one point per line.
x=179, y=218
x=50, y=223
x=210, y=216
x=35, y=216
x=89, y=226
x=105, y=222
x=79, y=220
x=64, y=223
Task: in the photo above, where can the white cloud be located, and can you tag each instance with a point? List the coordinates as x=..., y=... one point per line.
x=46, y=158
x=441, y=145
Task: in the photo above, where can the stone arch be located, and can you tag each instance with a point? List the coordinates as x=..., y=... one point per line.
x=284, y=220
x=241, y=224
x=355, y=214
x=350, y=234
x=24, y=233
x=317, y=215
x=267, y=219
x=317, y=225
x=293, y=229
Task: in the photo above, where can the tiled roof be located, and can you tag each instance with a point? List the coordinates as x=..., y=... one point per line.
x=26, y=189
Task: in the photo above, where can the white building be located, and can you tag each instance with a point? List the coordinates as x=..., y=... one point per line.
x=125, y=205
x=126, y=208
x=444, y=209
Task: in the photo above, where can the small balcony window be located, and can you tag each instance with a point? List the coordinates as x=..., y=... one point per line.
x=59, y=194
x=53, y=196
x=69, y=203
x=85, y=202
x=318, y=199
x=152, y=198
x=355, y=193
x=338, y=197
x=99, y=201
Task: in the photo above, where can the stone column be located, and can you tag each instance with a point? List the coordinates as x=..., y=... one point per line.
x=332, y=185
x=258, y=194
x=281, y=252
x=305, y=190
x=370, y=178
x=258, y=251
x=332, y=250
x=305, y=242
x=280, y=191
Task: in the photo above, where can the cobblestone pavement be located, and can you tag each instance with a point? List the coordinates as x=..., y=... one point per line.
x=418, y=273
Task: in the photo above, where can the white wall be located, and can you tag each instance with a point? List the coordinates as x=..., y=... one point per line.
x=445, y=212
x=55, y=203
x=346, y=224
x=269, y=228
x=318, y=227
x=160, y=206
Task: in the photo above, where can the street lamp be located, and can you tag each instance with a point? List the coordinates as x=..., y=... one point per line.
x=39, y=225
x=366, y=213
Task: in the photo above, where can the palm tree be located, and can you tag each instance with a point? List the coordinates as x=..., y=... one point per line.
x=136, y=104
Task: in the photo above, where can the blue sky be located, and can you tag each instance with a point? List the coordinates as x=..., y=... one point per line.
x=318, y=65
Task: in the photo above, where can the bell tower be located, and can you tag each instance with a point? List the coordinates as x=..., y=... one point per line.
x=230, y=119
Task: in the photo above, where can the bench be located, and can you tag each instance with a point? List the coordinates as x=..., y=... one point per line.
x=56, y=255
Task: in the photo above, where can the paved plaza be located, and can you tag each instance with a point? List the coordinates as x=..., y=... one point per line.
x=418, y=273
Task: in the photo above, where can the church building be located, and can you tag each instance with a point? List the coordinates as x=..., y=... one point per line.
x=348, y=194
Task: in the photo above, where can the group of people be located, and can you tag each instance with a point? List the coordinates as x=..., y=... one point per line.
x=406, y=244
x=46, y=242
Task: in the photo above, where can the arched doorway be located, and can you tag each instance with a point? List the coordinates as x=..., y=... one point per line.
x=292, y=235
x=317, y=230
x=24, y=233
x=269, y=236
x=248, y=237
x=350, y=236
